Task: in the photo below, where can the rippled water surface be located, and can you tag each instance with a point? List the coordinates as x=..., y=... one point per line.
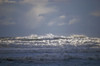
x=50, y=50
x=71, y=62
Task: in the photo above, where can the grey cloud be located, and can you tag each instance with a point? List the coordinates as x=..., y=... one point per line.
x=96, y=13
x=7, y=21
x=7, y=1
x=58, y=21
x=74, y=20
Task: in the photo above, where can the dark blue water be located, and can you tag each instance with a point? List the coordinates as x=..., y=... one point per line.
x=71, y=62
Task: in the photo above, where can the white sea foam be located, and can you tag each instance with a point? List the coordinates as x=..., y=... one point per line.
x=50, y=47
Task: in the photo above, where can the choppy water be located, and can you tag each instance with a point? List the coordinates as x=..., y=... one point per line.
x=50, y=50
x=71, y=62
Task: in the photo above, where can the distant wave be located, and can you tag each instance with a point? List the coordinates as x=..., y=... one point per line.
x=50, y=47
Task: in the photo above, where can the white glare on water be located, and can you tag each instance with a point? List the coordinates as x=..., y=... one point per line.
x=50, y=47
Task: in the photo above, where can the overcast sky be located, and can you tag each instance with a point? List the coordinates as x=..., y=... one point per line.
x=59, y=17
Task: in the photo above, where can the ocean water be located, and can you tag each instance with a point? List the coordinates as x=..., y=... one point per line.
x=50, y=50
x=70, y=62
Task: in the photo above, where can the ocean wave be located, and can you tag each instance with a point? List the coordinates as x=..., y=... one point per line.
x=49, y=47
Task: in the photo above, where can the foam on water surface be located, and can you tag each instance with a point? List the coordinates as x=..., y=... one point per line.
x=50, y=47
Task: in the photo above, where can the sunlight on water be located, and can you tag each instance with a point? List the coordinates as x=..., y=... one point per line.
x=49, y=47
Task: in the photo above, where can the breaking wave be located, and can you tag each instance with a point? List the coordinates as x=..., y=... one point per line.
x=49, y=47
